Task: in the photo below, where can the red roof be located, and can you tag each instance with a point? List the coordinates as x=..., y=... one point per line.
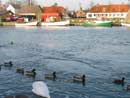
x=50, y=14
x=53, y=9
x=110, y=8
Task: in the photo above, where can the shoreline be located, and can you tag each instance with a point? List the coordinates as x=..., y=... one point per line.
x=3, y=24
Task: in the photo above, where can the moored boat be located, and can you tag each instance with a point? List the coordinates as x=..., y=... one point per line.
x=59, y=23
x=27, y=24
x=98, y=23
x=125, y=24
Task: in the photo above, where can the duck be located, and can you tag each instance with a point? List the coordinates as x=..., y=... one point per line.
x=11, y=42
x=118, y=81
x=31, y=73
x=79, y=78
x=51, y=76
x=20, y=70
x=40, y=88
x=8, y=64
x=128, y=87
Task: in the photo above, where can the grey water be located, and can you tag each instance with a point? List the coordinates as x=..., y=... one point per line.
x=102, y=54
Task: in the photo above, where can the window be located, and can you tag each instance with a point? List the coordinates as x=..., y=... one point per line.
x=122, y=14
x=89, y=15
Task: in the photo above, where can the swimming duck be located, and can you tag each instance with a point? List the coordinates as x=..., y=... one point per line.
x=40, y=88
x=31, y=73
x=119, y=81
x=11, y=42
x=51, y=76
x=8, y=64
x=20, y=70
x=78, y=78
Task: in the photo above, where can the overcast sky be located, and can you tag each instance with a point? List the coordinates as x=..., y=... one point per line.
x=74, y=4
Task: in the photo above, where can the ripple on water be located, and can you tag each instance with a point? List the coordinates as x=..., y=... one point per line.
x=102, y=54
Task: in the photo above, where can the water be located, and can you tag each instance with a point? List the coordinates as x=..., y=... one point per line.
x=102, y=54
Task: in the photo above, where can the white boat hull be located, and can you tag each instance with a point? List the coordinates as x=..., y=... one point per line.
x=26, y=24
x=60, y=23
x=125, y=24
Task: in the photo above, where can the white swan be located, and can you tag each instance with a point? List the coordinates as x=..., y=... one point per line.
x=40, y=88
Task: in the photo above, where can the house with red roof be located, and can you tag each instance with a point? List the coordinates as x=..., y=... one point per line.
x=108, y=12
x=52, y=13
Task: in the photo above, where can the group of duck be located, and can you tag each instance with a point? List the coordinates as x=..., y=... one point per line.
x=51, y=76
x=9, y=64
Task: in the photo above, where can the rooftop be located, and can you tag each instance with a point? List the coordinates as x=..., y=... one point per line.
x=110, y=8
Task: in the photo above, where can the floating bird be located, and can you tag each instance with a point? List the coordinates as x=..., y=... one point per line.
x=51, y=76
x=31, y=73
x=78, y=78
x=117, y=81
x=8, y=64
x=40, y=88
x=11, y=42
x=20, y=70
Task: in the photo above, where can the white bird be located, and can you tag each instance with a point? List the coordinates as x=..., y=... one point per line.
x=40, y=88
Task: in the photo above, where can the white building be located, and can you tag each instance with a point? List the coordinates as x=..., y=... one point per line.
x=11, y=8
x=115, y=11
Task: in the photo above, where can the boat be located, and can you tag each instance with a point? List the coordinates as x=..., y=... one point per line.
x=58, y=23
x=27, y=24
x=127, y=20
x=125, y=24
x=98, y=23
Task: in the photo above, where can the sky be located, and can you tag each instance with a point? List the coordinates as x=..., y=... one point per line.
x=75, y=4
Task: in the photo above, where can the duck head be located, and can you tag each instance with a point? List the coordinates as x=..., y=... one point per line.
x=123, y=78
x=33, y=70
